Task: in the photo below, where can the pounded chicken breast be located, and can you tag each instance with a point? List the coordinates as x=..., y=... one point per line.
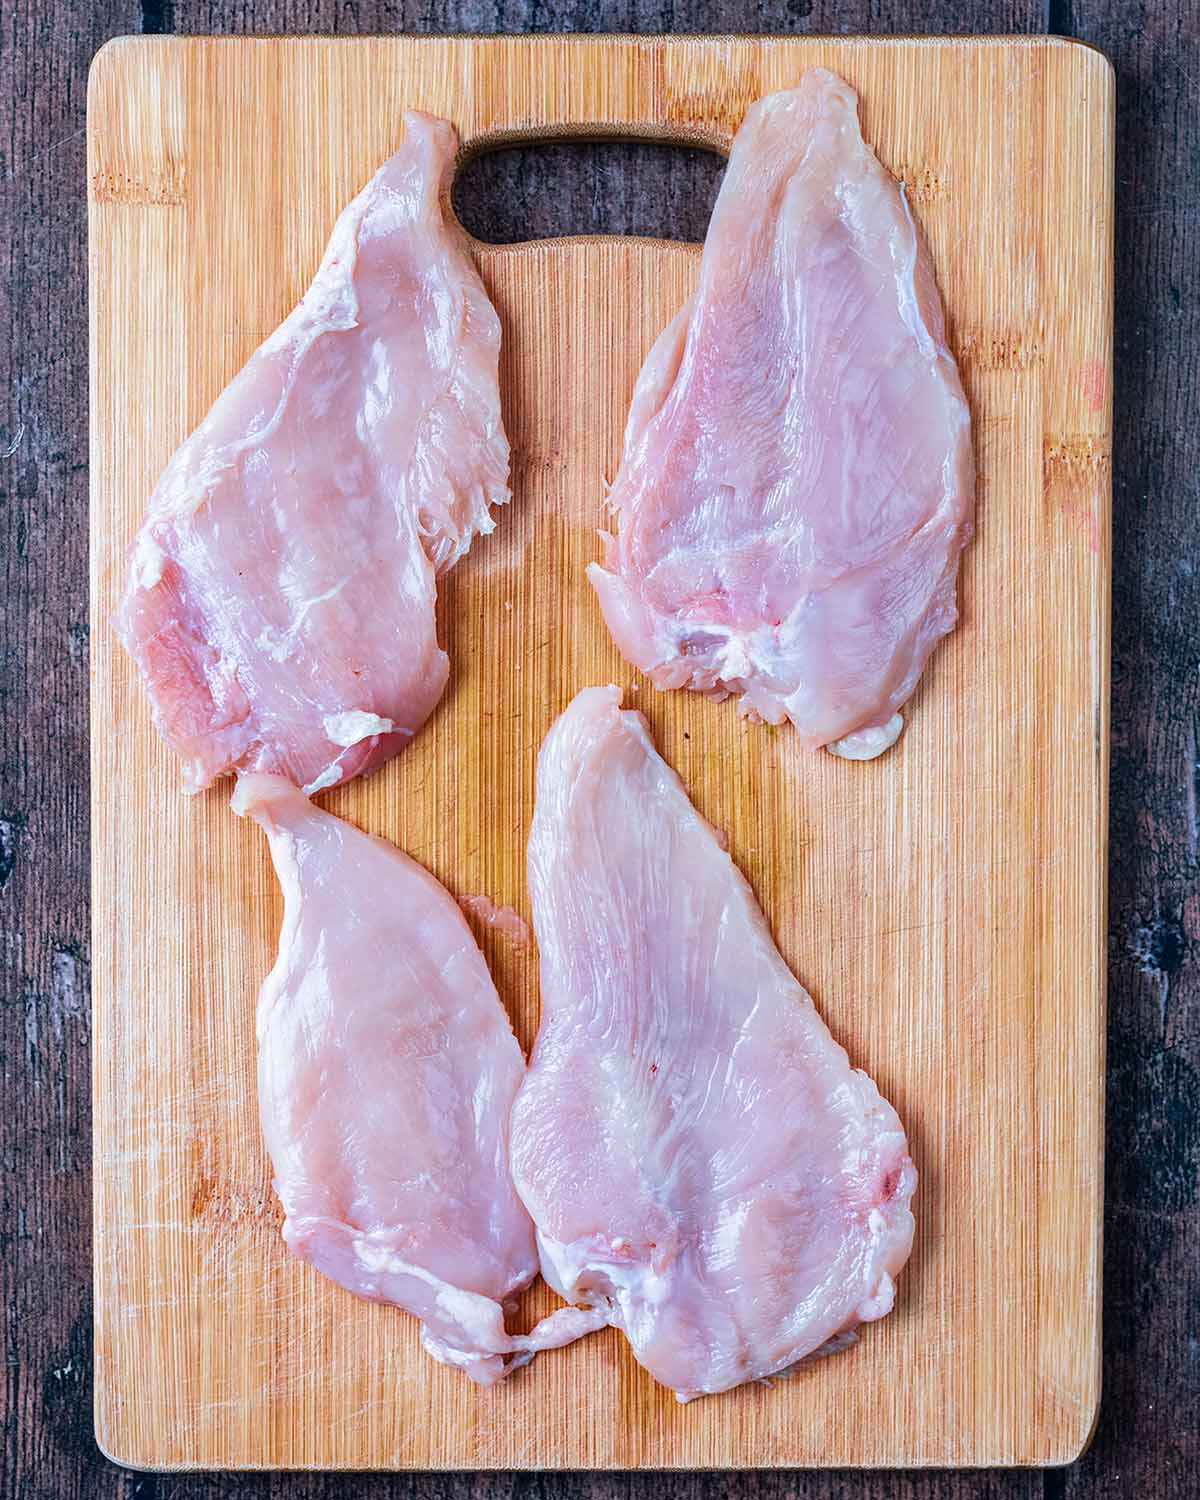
x=706, y=1170
x=281, y=593
x=797, y=480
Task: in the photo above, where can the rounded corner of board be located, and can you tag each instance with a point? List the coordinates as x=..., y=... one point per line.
x=120, y=1448
x=1095, y=64
x=1072, y=1433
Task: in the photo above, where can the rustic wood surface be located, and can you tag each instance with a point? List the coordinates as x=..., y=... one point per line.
x=1147, y=1441
x=945, y=905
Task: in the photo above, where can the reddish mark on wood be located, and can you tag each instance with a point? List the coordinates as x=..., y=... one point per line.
x=1094, y=384
x=1074, y=468
x=1085, y=518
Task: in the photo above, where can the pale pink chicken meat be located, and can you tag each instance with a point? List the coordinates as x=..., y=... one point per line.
x=797, y=480
x=281, y=594
x=387, y=1070
x=502, y=919
x=706, y=1170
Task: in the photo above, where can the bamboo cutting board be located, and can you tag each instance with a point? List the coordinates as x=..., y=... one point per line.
x=945, y=905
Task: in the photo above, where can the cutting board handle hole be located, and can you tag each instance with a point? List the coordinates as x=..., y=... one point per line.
x=550, y=189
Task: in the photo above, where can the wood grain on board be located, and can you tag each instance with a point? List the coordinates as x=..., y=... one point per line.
x=945, y=905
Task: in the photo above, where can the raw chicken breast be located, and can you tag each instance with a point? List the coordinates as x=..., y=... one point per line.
x=797, y=480
x=281, y=594
x=387, y=1070
x=704, y=1167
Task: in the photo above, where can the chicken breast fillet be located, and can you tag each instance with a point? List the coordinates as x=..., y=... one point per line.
x=387, y=1070
x=705, y=1169
x=797, y=480
x=280, y=603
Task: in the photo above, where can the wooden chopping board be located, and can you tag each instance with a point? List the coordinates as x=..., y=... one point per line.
x=945, y=905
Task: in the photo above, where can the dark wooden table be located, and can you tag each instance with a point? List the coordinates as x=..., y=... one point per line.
x=1148, y=1442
